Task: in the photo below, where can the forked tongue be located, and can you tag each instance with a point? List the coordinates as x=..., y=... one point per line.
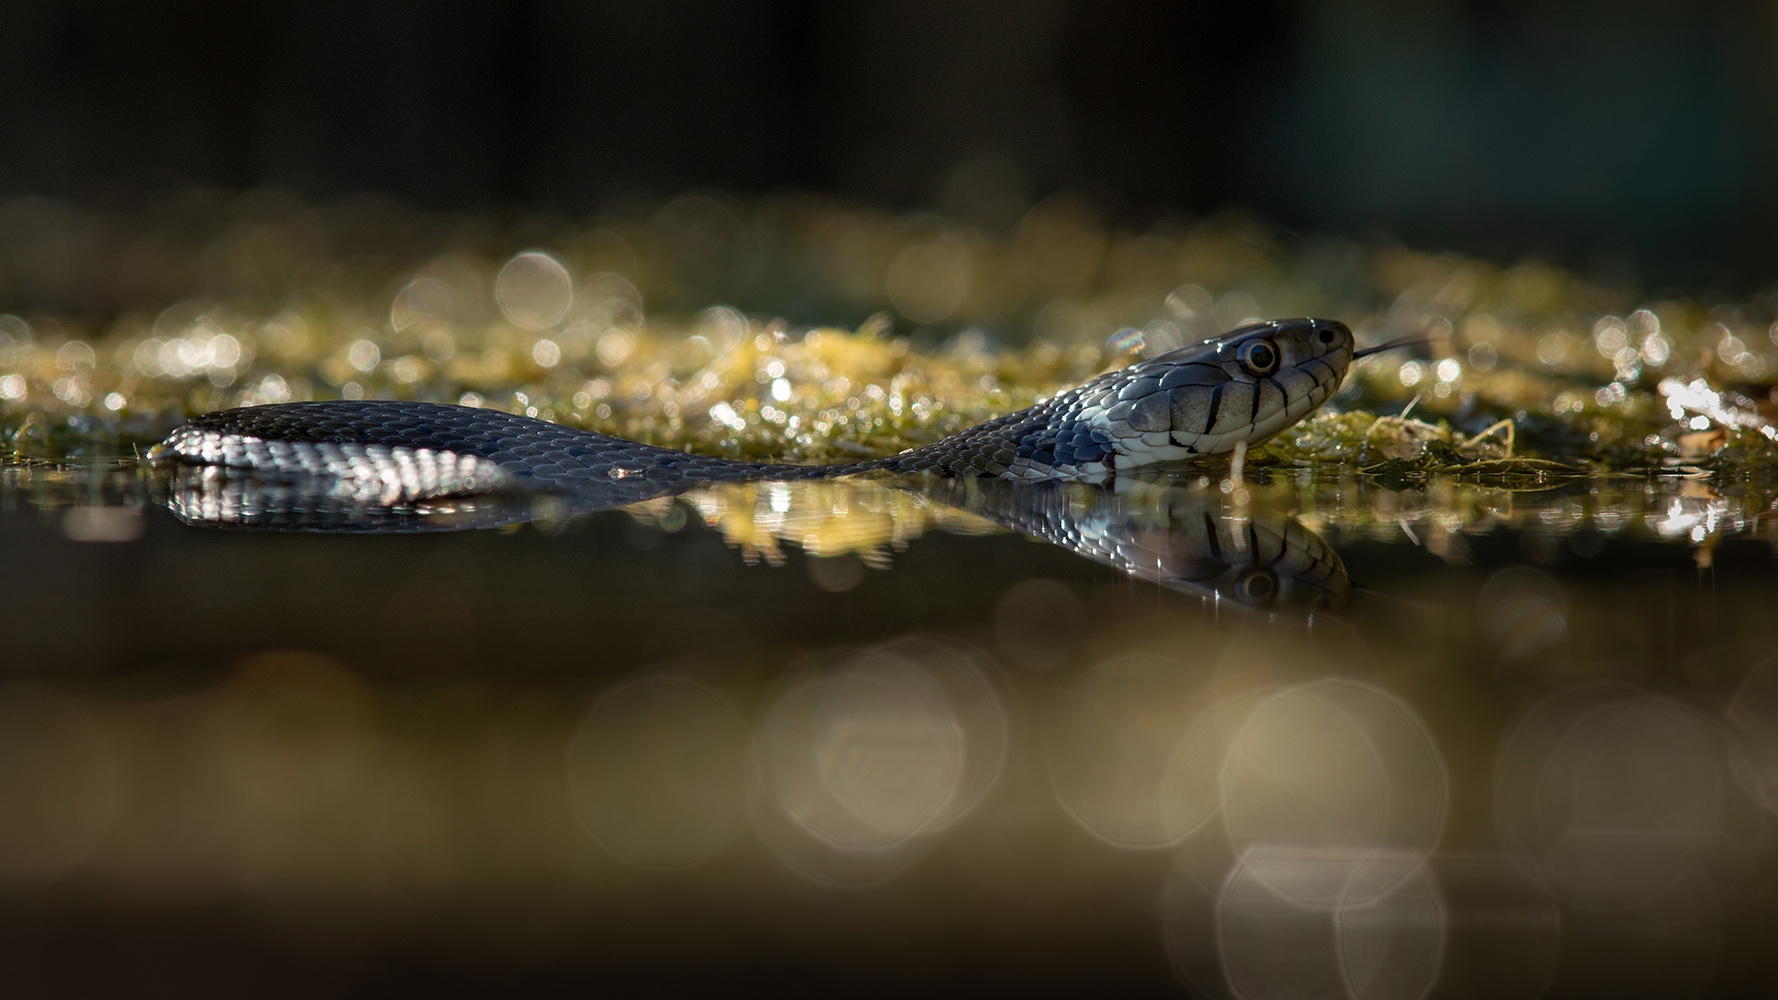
x=1392, y=345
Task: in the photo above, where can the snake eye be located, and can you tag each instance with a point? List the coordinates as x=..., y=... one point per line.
x=1257, y=587
x=1260, y=357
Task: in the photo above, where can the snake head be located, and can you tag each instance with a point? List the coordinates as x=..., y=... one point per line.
x=1245, y=385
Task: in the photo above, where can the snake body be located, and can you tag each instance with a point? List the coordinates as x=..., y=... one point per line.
x=1242, y=387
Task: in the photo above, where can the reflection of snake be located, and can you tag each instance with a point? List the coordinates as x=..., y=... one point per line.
x=1240, y=388
x=1178, y=537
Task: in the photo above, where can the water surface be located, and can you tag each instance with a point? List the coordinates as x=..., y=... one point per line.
x=1320, y=733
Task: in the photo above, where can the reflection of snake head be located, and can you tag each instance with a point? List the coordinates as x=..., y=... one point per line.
x=1310, y=579
x=1259, y=558
x=1254, y=586
x=1266, y=560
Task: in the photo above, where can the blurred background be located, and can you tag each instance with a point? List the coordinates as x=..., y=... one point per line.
x=1635, y=142
x=845, y=737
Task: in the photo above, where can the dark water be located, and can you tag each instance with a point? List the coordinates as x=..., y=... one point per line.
x=1322, y=737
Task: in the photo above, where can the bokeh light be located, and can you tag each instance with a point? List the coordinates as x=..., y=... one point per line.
x=1114, y=745
x=58, y=784
x=656, y=772
x=1628, y=802
x=858, y=765
x=534, y=290
x=1342, y=774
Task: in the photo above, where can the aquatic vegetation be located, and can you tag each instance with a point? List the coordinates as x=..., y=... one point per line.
x=689, y=326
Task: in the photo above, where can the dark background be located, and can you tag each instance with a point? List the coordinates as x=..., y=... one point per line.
x=1637, y=137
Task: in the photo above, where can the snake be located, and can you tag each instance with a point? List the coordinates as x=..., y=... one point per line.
x=1226, y=393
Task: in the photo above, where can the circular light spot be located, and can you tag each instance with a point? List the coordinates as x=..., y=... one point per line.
x=927, y=281
x=1237, y=309
x=655, y=773
x=1523, y=611
x=723, y=327
x=1627, y=802
x=547, y=353
x=363, y=355
x=861, y=761
x=534, y=290
x=424, y=301
x=439, y=345
x=75, y=354
x=866, y=758
x=1039, y=623
x=1388, y=947
x=57, y=784
x=614, y=348
x=294, y=736
x=1114, y=765
x=1336, y=769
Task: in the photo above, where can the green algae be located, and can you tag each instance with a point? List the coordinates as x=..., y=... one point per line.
x=669, y=327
